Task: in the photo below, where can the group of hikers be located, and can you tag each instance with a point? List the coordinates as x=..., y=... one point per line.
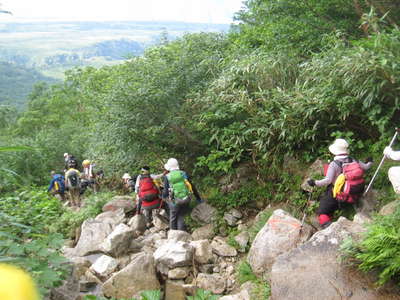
x=172, y=191
x=74, y=183
x=344, y=179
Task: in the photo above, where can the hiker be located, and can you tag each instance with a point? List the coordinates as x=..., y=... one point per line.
x=328, y=202
x=88, y=176
x=57, y=185
x=177, y=192
x=129, y=183
x=148, y=194
x=70, y=162
x=73, y=186
x=394, y=172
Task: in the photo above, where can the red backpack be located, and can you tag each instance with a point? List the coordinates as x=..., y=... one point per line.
x=354, y=181
x=147, y=189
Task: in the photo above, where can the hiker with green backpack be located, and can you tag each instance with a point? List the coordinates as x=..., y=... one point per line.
x=178, y=194
x=343, y=179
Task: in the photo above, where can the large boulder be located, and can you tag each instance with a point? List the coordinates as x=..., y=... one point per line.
x=119, y=241
x=94, y=232
x=127, y=203
x=280, y=234
x=204, y=213
x=314, y=271
x=174, y=254
x=114, y=217
x=138, y=276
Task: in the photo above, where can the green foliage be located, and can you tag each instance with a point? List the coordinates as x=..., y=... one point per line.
x=34, y=250
x=146, y=295
x=259, y=224
x=203, y=295
x=70, y=220
x=379, y=248
x=244, y=273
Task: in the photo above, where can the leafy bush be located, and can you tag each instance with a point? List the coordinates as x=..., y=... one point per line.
x=70, y=220
x=33, y=250
x=379, y=248
x=244, y=273
x=203, y=295
x=146, y=295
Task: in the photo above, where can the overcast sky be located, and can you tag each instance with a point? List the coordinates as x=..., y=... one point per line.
x=204, y=11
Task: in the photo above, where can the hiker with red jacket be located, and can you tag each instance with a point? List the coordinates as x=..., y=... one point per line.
x=328, y=202
x=147, y=194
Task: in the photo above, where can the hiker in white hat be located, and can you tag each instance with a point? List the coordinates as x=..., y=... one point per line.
x=394, y=172
x=328, y=203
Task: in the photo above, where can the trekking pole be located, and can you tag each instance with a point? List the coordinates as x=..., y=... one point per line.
x=305, y=211
x=381, y=163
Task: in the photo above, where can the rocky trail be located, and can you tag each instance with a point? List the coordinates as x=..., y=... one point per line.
x=116, y=256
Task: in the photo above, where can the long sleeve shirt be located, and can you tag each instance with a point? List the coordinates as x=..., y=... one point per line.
x=334, y=170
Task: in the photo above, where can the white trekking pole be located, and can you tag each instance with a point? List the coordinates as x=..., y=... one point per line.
x=381, y=163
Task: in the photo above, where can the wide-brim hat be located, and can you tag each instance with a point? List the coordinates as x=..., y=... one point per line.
x=339, y=146
x=171, y=165
x=126, y=176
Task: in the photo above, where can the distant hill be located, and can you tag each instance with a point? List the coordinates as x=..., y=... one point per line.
x=16, y=83
x=38, y=51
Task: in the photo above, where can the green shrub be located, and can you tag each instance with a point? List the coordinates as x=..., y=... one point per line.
x=203, y=295
x=244, y=273
x=33, y=250
x=379, y=249
x=70, y=220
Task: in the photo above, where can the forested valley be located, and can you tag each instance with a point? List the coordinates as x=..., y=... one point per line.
x=271, y=94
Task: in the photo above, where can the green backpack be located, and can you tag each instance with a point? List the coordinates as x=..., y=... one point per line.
x=179, y=191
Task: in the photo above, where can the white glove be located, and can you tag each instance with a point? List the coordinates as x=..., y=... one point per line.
x=387, y=152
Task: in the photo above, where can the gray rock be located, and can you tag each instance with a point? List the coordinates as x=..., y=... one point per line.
x=204, y=213
x=361, y=219
x=280, y=234
x=138, y=276
x=389, y=208
x=81, y=265
x=160, y=223
x=242, y=239
x=211, y=282
x=179, y=235
x=205, y=232
x=174, y=290
x=127, y=203
x=178, y=273
x=207, y=268
x=313, y=270
x=174, y=254
x=138, y=224
x=104, y=266
x=113, y=217
x=203, y=253
x=94, y=232
x=119, y=241
x=221, y=248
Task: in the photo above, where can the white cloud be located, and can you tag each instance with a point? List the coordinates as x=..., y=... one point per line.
x=206, y=11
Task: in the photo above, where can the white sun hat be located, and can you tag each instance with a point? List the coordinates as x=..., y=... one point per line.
x=171, y=165
x=126, y=176
x=339, y=146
